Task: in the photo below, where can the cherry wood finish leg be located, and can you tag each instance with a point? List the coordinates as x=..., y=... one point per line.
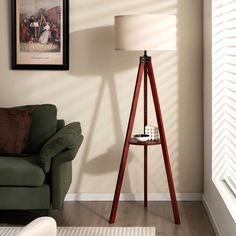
x=163, y=142
x=145, y=147
x=126, y=144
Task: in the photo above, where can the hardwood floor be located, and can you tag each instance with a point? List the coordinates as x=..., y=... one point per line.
x=194, y=220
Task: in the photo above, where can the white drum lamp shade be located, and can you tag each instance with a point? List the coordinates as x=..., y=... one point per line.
x=145, y=32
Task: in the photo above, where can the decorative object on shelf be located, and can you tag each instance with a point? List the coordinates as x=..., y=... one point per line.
x=153, y=132
x=145, y=32
x=142, y=137
x=40, y=35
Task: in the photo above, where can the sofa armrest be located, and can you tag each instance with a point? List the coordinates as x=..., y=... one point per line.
x=68, y=139
x=61, y=177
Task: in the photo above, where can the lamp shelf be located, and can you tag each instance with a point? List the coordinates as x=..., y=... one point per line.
x=134, y=141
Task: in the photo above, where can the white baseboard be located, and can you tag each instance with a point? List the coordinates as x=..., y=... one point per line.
x=132, y=197
x=211, y=216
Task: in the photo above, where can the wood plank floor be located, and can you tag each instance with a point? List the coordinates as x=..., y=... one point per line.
x=194, y=220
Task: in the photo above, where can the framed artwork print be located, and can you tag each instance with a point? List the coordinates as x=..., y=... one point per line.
x=40, y=34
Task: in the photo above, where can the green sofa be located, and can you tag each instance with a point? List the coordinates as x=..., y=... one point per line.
x=41, y=178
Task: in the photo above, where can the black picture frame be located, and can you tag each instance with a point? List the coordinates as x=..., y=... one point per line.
x=64, y=50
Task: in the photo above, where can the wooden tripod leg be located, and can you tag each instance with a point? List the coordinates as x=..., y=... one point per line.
x=163, y=142
x=126, y=144
x=145, y=147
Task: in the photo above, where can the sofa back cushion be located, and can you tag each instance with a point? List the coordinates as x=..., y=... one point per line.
x=14, y=130
x=44, y=125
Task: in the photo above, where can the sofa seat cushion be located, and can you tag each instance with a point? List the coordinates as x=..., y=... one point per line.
x=21, y=171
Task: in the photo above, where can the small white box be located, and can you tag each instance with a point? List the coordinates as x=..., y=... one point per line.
x=153, y=132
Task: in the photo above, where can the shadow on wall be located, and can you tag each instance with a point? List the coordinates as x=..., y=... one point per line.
x=93, y=54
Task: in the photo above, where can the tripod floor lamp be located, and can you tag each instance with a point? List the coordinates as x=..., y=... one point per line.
x=145, y=32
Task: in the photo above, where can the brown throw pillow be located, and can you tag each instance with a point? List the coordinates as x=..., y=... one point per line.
x=14, y=130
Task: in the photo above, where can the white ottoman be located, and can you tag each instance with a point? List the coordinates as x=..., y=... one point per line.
x=42, y=226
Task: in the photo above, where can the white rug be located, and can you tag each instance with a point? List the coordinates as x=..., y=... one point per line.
x=91, y=231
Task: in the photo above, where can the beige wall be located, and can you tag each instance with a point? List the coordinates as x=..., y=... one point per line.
x=97, y=92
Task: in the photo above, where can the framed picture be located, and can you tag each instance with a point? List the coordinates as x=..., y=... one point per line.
x=40, y=34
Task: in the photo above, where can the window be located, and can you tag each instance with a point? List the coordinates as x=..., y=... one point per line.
x=224, y=100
